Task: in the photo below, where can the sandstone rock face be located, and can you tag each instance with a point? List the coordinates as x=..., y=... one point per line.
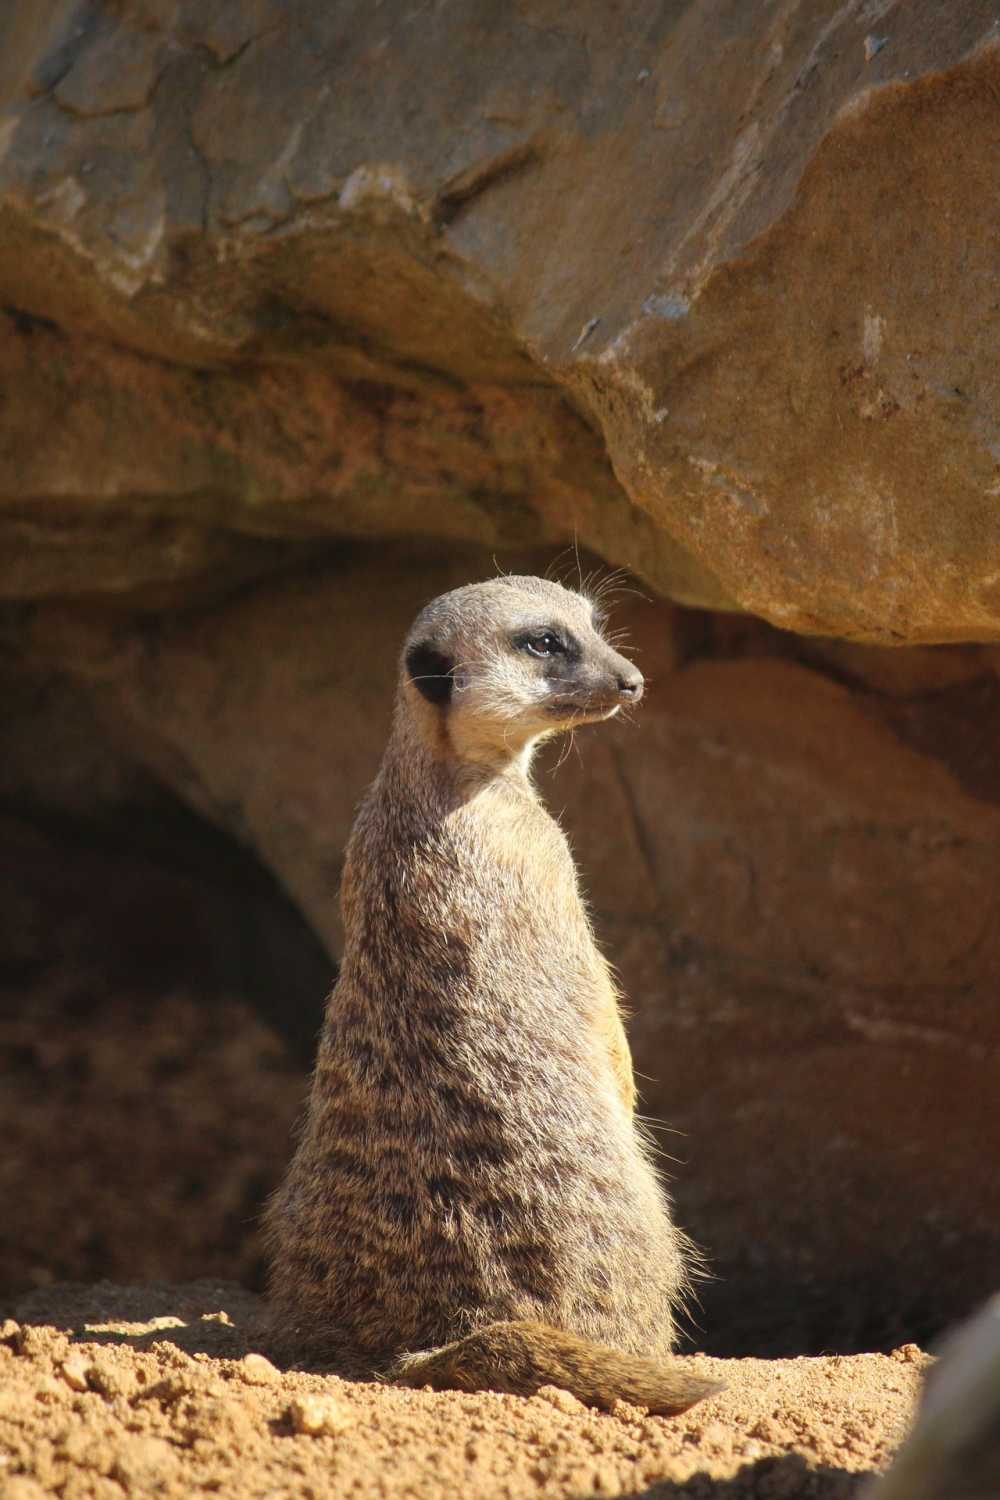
x=309, y=312
x=286, y=272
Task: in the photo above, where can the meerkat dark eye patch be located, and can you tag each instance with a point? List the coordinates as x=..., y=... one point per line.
x=430, y=672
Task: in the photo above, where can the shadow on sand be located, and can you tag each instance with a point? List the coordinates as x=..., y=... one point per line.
x=783, y=1478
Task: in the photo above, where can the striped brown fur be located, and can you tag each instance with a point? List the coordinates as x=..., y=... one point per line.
x=470, y=1179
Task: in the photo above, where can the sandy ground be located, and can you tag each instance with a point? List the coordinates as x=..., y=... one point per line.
x=158, y=1390
x=107, y=1392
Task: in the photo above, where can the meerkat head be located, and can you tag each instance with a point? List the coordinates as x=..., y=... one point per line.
x=500, y=665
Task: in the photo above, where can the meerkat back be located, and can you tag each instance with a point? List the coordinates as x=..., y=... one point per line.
x=471, y=1202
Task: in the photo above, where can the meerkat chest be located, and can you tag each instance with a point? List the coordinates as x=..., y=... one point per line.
x=521, y=864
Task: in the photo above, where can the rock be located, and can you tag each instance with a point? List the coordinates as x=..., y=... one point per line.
x=74, y=1370
x=318, y=1416
x=822, y=952
x=561, y=1400
x=254, y=1369
x=256, y=305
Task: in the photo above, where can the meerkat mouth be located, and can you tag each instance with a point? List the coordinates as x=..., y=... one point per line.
x=573, y=709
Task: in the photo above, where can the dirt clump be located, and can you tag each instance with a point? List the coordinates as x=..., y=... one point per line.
x=168, y=1390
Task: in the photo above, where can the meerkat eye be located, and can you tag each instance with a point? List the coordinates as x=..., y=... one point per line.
x=547, y=643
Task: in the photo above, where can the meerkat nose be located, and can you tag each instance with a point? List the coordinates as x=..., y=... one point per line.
x=631, y=686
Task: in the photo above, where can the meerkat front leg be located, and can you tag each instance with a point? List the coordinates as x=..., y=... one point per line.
x=621, y=1062
x=611, y=1029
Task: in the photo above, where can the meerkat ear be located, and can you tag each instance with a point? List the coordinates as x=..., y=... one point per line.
x=430, y=672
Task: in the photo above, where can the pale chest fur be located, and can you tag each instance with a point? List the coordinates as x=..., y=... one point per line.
x=512, y=895
x=514, y=843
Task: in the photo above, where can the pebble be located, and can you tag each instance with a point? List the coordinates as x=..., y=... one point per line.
x=74, y=1371
x=254, y=1369
x=908, y=1354
x=318, y=1416
x=560, y=1399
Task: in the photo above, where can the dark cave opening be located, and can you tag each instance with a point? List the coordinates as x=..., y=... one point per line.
x=160, y=997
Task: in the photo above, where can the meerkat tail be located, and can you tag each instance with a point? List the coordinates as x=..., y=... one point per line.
x=521, y=1357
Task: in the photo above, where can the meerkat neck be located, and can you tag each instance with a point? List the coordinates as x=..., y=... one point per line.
x=429, y=747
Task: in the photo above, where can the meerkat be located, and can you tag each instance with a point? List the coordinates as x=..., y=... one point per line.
x=472, y=1204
